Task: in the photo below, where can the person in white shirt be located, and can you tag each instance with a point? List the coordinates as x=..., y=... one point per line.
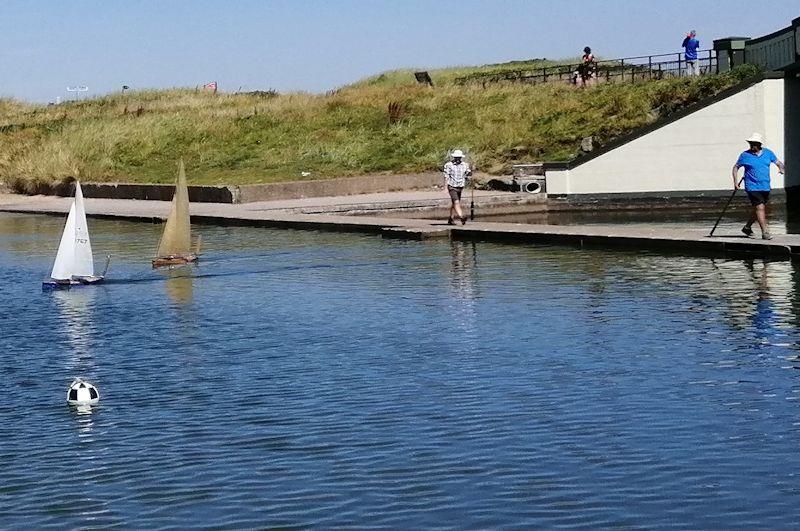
x=456, y=173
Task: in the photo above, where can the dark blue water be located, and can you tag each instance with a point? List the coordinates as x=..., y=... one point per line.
x=297, y=379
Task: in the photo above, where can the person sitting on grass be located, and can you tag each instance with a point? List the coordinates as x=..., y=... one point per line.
x=588, y=68
x=756, y=162
x=456, y=172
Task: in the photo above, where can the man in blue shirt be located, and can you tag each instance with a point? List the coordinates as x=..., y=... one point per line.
x=756, y=162
x=691, y=45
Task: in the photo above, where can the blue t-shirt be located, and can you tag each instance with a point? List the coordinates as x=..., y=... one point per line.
x=756, y=169
x=691, y=46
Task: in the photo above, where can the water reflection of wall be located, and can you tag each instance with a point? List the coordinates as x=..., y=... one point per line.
x=31, y=235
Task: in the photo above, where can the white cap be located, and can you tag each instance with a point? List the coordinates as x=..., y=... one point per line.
x=756, y=137
x=457, y=153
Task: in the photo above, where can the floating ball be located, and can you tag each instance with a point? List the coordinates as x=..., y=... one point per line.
x=82, y=393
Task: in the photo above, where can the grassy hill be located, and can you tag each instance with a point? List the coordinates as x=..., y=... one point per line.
x=386, y=123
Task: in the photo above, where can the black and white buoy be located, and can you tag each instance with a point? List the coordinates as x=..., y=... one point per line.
x=82, y=393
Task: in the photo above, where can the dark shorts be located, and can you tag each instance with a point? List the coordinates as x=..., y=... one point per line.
x=758, y=197
x=455, y=192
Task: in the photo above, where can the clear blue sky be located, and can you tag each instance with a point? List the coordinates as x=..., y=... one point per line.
x=316, y=45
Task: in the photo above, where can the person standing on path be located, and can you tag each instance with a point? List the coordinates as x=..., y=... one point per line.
x=456, y=172
x=756, y=162
x=691, y=45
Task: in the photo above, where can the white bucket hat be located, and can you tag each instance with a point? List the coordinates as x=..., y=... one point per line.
x=756, y=137
x=457, y=154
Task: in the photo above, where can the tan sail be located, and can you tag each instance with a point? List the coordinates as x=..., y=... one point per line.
x=176, y=240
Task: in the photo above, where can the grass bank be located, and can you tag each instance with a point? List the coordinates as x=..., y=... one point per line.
x=383, y=124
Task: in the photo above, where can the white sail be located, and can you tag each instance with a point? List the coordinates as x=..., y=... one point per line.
x=62, y=267
x=74, y=257
x=84, y=263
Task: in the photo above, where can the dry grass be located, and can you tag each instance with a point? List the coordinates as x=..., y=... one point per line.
x=244, y=138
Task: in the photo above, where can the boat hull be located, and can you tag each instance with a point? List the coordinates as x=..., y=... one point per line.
x=70, y=283
x=168, y=261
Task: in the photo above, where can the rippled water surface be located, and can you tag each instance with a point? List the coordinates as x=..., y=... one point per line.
x=304, y=379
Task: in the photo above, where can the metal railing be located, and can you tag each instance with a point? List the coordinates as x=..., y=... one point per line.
x=611, y=70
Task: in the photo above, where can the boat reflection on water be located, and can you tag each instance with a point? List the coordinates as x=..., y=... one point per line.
x=180, y=285
x=77, y=320
x=186, y=324
x=76, y=308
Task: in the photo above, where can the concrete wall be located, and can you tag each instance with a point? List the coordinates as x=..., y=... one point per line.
x=792, y=127
x=258, y=192
x=155, y=192
x=694, y=153
x=367, y=184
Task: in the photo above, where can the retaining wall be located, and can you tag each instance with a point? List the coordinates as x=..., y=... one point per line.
x=260, y=192
x=156, y=192
x=367, y=184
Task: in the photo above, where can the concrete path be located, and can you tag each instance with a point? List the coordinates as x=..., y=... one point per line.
x=270, y=214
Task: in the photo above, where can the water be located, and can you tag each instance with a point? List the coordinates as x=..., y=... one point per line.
x=300, y=379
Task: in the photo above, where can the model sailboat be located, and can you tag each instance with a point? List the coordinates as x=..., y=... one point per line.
x=74, y=264
x=175, y=245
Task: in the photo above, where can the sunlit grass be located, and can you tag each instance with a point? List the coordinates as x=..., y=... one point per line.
x=245, y=138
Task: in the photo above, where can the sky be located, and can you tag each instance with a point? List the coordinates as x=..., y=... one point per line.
x=318, y=45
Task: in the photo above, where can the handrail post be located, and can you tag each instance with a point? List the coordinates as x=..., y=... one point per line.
x=680, y=73
x=544, y=74
x=650, y=66
x=622, y=64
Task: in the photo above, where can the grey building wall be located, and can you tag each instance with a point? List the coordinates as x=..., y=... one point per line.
x=792, y=135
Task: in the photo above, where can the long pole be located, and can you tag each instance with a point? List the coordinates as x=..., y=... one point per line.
x=724, y=209
x=472, y=201
x=472, y=189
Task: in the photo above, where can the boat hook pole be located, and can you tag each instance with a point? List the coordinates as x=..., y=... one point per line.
x=726, y=207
